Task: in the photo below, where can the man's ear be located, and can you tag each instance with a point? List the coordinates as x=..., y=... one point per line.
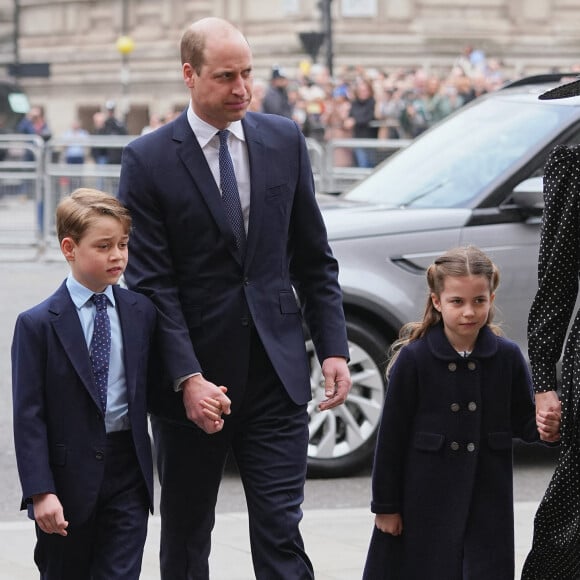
x=188, y=75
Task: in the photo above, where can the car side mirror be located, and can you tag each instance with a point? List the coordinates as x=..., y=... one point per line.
x=528, y=196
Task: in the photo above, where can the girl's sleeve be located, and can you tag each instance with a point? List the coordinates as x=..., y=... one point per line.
x=523, y=410
x=557, y=266
x=393, y=436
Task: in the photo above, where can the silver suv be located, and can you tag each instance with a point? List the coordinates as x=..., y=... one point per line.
x=476, y=178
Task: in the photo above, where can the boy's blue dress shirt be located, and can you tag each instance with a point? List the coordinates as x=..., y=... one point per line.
x=116, y=417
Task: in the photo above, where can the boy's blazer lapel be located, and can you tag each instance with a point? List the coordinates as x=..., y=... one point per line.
x=67, y=326
x=130, y=319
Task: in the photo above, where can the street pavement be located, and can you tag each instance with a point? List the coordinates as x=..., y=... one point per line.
x=336, y=540
x=336, y=537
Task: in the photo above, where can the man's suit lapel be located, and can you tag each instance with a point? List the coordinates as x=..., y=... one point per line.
x=67, y=326
x=258, y=163
x=194, y=160
x=129, y=318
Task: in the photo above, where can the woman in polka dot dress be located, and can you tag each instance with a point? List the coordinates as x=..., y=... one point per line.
x=555, y=553
x=442, y=487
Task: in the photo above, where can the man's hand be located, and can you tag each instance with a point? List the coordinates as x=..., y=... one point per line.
x=548, y=416
x=337, y=382
x=389, y=523
x=197, y=392
x=49, y=514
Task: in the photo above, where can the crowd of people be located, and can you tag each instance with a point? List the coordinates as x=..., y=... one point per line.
x=357, y=102
x=369, y=103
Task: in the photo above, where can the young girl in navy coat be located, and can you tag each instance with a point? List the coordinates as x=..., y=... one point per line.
x=458, y=393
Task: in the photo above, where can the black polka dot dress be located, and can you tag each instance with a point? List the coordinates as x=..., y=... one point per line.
x=555, y=552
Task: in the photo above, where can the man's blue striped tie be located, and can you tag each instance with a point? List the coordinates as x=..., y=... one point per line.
x=230, y=194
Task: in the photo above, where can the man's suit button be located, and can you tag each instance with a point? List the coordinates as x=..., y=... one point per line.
x=99, y=456
x=454, y=446
x=455, y=407
x=246, y=282
x=245, y=321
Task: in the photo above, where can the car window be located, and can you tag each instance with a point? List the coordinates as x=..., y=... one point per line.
x=451, y=164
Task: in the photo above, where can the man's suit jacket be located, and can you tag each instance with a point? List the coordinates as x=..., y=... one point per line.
x=183, y=255
x=59, y=427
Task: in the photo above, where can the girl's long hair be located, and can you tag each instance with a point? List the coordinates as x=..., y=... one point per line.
x=461, y=261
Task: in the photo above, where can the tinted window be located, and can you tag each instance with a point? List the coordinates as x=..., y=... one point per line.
x=453, y=163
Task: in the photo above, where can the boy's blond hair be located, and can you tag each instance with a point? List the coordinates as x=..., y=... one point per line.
x=76, y=212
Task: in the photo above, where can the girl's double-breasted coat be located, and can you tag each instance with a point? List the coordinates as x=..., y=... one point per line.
x=444, y=459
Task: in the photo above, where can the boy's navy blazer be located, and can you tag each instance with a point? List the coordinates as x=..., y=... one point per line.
x=59, y=428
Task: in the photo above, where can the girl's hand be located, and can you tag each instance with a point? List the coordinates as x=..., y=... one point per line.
x=549, y=423
x=389, y=523
x=548, y=416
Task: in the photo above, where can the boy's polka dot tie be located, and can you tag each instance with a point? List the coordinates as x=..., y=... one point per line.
x=230, y=194
x=101, y=347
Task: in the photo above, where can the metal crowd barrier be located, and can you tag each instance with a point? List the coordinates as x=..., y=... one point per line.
x=34, y=176
x=21, y=193
x=62, y=178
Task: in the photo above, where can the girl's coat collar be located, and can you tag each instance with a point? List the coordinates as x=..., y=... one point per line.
x=440, y=347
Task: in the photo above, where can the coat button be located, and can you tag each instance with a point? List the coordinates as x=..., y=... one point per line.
x=471, y=447
x=471, y=365
x=472, y=406
x=455, y=407
x=99, y=456
x=452, y=367
x=245, y=321
x=454, y=446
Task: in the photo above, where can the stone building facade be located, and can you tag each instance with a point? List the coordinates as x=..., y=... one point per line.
x=78, y=38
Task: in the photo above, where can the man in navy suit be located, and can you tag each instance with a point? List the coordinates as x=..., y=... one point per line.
x=84, y=456
x=231, y=309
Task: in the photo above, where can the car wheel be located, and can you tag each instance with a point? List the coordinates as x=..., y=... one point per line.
x=342, y=440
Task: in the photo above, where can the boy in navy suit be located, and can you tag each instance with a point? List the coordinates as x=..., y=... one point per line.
x=84, y=456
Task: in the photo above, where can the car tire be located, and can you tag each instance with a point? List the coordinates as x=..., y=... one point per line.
x=342, y=440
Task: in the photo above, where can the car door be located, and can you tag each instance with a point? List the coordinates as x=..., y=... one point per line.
x=513, y=247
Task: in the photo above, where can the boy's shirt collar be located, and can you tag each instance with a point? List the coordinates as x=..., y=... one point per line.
x=80, y=294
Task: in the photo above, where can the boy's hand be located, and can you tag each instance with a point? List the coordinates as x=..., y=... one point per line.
x=212, y=408
x=197, y=389
x=49, y=514
x=389, y=523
